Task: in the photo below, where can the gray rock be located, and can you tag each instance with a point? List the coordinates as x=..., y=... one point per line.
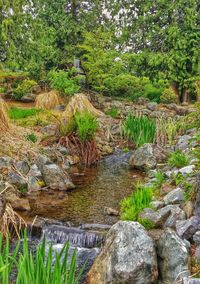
x=16, y=179
x=23, y=167
x=152, y=216
x=196, y=238
x=175, y=215
x=147, y=156
x=187, y=280
x=183, y=142
x=197, y=201
x=35, y=172
x=5, y=162
x=165, y=211
x=56, y=178
x=33, y=184
x=152, y=106
x=186, y=229
x=186, y=170
x=63, y=150
x=157, y=204
x=41, y=161
x=173, y=257
x=128, y=256
x=30, y=98
x=174, y=196
x=50, y=130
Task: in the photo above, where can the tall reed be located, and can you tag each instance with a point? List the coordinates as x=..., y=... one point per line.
x=139, y=130
x=39, y=267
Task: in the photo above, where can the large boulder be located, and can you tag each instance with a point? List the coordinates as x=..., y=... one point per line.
x=173, y=257
x=147, y=156
x=128, y=256
x=56, y=178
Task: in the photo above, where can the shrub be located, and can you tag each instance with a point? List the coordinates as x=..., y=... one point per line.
x=178, y=159
x=20, y=113
x=133, y=205
x=61, y=81
x=47, y=100
x=86, y=125
x=113, y=112
x=31, y=137
x=24, y=88
x=37, y=267
x=168, y=96
x=159, y=179
x=140, y=130
x=2, y=90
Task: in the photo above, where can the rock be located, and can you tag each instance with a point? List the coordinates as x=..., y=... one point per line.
x=183, y=142
x=5, y=162
x=197, y=201
x=23, y=167
x=165, y=211
x=147, y=156
x=41, y=161
x=2, y=206
x=197, y=253
x=152, y=106
x=188, y=209
x=111, y=211
x=187, y=280
x=165, y=188
x=157, y=204
x=16, y=179
x=196, y=238
x=186, y=229
x=152, y=216
x=56, y=178
x=174, y=196
x=173, y=257
x=128, y=256
x=186, y=170
x=63, y=150
x=34, y=184
x=35, y=172
x=50, y=130
x=175, y=215
x=30, y=98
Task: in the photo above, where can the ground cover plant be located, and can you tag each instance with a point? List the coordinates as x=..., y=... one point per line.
x=37, y=267
x=139, y=130
x=20, y=113
x=178, y=159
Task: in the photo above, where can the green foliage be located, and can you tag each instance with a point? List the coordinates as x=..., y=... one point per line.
x=189, y=191
x=178, y=159
x=149, y=225
x=38, y=267
x=140, y=130
x=113, y=112
x=86, y=125
x=2, y=90
x=31, y=137
x=24, y=88
x=133, y=205
x=20, y=113
x=168, y=96
x=63, y=82
x=159, y=179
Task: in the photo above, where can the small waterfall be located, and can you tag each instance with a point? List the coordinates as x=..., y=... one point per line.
x=77, y=237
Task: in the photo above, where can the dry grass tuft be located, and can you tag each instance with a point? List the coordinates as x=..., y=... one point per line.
x=4, y=120
x=48, y=100
x=12, y=223
x=79, y=103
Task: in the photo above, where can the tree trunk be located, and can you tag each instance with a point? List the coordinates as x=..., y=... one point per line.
x=186, y=97
x=175, y=88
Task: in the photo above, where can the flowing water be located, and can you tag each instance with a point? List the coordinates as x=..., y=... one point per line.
x=96, y=188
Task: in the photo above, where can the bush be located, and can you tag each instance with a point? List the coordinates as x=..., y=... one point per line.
x=140, y=130
x=37, y=267
x=62, y=82
x=133, y=205
x=168, y=96
x=86, y=125
x=24, y=88
x=178, y=159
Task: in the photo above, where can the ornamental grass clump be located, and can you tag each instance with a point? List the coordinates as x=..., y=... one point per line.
x=47, y=100
x=87, y=126
x=139, y=130
x=4, y=119
x=44, y=266
x=178, y=159
x=134, y=204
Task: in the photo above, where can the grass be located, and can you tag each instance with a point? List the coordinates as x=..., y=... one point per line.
x=134, y=204
x=16, y=113
x=48, y=100
x=38, y=267
x=86, y=125
x=31, y=137
x=113, y=112
x=178, y=159
x=139, y=130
